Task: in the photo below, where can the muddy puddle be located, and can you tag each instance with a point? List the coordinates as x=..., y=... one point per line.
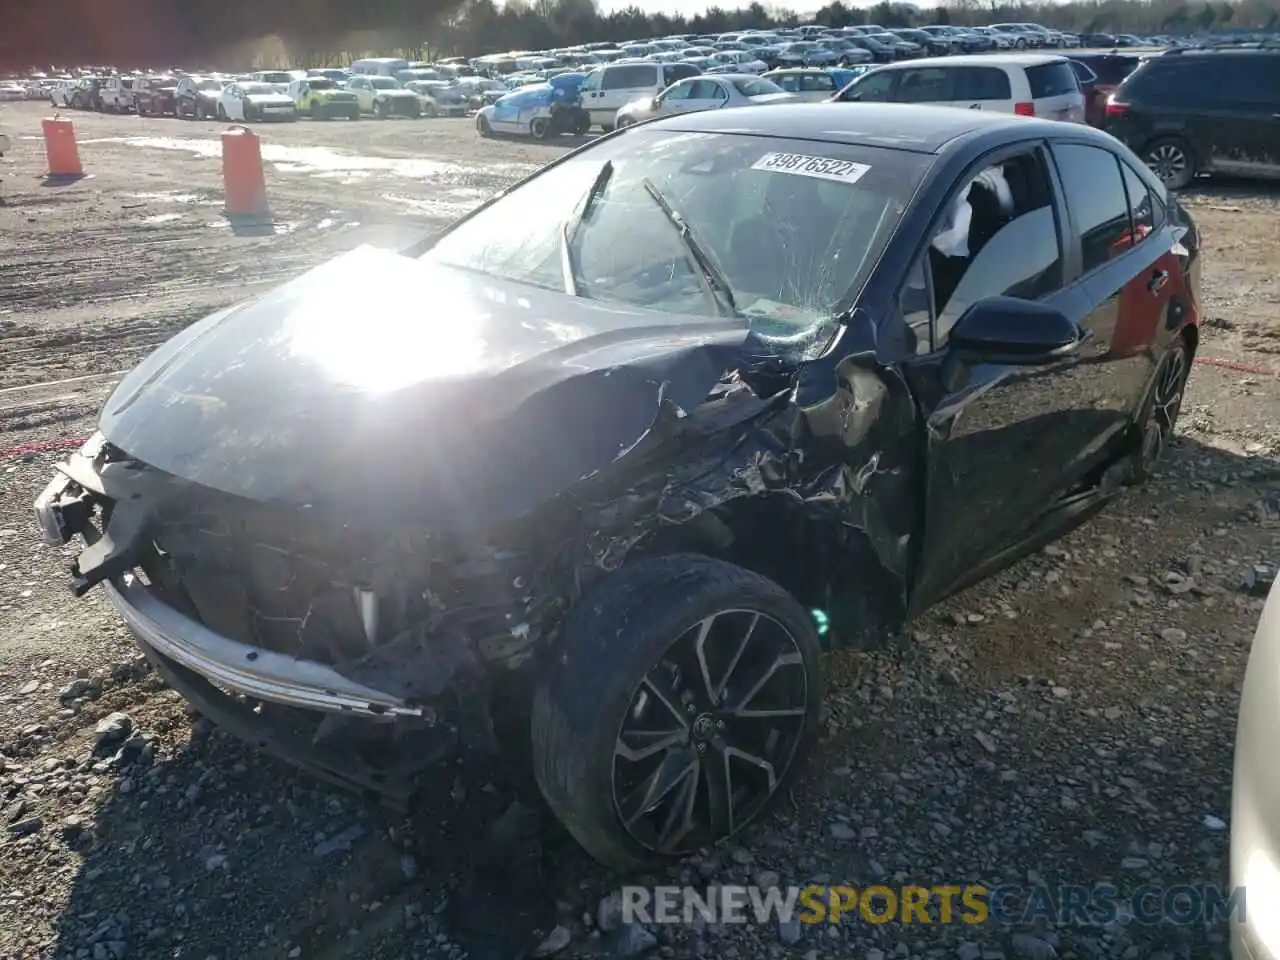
x=323, y=162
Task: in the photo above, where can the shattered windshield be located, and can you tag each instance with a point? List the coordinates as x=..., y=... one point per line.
x=782, y=233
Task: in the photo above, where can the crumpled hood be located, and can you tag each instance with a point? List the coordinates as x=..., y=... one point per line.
x=377, y=380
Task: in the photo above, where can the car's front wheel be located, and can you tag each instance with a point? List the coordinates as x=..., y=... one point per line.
x=1170, y=159
x=483, y=127
x=683, y=691
x=540, y=128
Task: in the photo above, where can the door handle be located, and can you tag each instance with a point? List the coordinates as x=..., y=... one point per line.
x=1158, y=279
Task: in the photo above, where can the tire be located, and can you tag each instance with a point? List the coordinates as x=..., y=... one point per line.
x=616, y=660
x=431, y=112
x=624, y=122
x=354, y=114
x=1020, y=43
x=540, y=128
x=316, y=112
x=1160, y=411
x=607, y=127
x=381, y=110
x=250, y=115
x=1171, y=159
x=222, y=113
x=581, y=126
x=483, y=127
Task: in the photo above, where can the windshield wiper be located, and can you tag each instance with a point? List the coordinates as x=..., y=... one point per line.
x=570, y=229
x=714, y=280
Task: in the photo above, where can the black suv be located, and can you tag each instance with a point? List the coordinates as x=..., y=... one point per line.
x=1202, y=111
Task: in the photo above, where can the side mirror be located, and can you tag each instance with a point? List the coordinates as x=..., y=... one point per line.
x=1013, y=331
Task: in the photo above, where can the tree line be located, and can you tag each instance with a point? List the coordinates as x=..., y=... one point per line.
x=157, y=33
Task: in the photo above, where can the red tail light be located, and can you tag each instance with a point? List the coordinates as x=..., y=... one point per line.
x=1025, y=109
x=1115, y=108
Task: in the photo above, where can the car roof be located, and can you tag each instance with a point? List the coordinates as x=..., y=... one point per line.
x=981, y=60
x=914, y=127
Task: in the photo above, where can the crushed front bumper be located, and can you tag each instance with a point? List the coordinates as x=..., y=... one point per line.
x=252, y=671
x=64, y=510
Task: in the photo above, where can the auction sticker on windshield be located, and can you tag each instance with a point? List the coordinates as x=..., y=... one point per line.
x=824, y=168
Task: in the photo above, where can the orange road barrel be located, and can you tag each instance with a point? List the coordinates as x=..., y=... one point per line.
x=60, y=148
x=243, y=180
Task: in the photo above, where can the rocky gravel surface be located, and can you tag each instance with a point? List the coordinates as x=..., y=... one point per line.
x=1069, y=722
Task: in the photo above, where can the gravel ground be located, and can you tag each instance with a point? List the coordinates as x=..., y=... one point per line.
x=1070, y=721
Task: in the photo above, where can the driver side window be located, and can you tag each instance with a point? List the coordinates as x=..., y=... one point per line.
x=998, y=236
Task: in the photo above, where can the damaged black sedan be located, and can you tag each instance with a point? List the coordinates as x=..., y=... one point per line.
x=602, y=469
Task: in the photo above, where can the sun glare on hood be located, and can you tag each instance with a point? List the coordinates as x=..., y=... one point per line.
x=376, y=321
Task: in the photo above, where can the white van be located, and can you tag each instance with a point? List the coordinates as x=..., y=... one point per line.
x=379, y=66
x=1028, y=84
x=611, y=87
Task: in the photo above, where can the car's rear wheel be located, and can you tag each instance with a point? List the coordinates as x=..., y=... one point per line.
x=540, y=128
x=1160, y=412
x=1171, y=160
x=683, y=693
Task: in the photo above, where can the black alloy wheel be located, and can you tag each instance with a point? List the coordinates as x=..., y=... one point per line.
x=1169, y=158
x=688, y=733
x=684, y=694
x=1162, y=409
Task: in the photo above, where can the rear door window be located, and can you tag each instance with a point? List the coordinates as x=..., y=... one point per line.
x=981, y=83
x=1052, y=80
x=925, y=85
x=1244, y=79
x=630, y=76
x=1096, y=200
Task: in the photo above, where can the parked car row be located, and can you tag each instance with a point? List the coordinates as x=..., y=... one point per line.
x=320, y=94
x=1186, y=112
